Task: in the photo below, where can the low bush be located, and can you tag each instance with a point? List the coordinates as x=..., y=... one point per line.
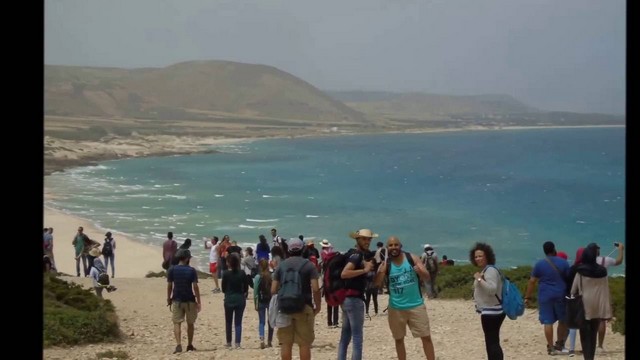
x=73, y=315
x=456, y=282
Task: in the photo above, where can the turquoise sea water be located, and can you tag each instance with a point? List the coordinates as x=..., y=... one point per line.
x=514, y=189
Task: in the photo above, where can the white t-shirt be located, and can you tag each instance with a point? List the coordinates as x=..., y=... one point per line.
x=608, y=261
x=213, y=254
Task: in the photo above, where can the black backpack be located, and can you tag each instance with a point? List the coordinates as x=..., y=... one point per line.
x=107, y=247
x=290, y=297
x=103, y=277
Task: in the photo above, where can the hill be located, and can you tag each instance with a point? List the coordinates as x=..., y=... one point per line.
x=413, y=109
x=190, y=90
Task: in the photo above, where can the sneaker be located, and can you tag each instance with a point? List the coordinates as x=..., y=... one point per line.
x=269, y=345
x=551, y=350
x=262, y=345
x=227, y=345
x=238, y=346
x=190, y=348
x=572, y=353
x=178, y=349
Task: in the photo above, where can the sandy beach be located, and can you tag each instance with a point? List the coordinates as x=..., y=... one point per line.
x=133, y=259
x=148, y=332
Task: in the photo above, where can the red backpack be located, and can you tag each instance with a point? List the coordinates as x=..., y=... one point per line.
x=334, y=286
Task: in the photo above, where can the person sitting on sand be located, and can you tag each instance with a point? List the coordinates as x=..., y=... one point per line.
x=96, y=269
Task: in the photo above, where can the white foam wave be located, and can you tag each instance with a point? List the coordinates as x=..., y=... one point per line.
x=247, y=226
x=180, y=197
x=275, y=196
x=580, y=222
x=218, y=195
x=199, y=225
x=261, y=220
x=311, y=216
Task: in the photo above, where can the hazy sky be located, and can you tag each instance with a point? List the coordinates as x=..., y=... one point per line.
x=552, y=54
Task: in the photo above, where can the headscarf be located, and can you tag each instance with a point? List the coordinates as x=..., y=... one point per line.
x=578, y=260
x=589, y=267
x=186, y=244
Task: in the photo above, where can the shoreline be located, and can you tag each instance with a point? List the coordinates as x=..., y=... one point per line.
x=202, y=145
x=65, y=225
x=133, y=259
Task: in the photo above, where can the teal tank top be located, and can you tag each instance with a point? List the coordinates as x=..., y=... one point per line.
x=404, y=286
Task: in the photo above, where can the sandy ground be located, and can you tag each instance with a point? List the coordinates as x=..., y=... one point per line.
x=133, y=259
x=146, y=324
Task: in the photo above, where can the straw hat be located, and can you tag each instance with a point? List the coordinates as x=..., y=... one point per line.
x=363, y=233
x=325, y=243
x=94, y=252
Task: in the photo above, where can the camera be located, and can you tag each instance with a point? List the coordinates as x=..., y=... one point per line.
x=616, y=244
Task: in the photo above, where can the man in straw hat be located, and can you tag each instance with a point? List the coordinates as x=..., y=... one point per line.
x=353, y=307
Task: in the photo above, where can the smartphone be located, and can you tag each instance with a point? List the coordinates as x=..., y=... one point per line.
x=616, y=244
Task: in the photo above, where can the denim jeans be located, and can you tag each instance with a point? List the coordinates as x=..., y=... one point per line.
x=262, y=311
x=113, y=263
x=84, y=265
x=234, y=313
x=352, y=326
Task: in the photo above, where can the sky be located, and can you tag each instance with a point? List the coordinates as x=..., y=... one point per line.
x=565, y=55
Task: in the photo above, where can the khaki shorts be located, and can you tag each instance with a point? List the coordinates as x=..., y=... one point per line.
x=416, y=318
x=182, y=309
x=301, y=329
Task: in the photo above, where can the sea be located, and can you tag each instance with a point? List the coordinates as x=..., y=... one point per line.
x=513, y=189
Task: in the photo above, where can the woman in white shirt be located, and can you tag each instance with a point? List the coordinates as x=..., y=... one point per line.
x=487, y=284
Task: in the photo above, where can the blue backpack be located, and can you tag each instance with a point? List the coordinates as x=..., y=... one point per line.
x=511, y=301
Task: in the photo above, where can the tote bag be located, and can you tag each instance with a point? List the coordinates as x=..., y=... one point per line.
x=575, y=308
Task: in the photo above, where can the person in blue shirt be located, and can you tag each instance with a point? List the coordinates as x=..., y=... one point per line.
x=183, y=296
x=551, y=273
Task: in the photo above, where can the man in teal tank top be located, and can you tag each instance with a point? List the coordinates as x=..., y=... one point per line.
x=406, y=305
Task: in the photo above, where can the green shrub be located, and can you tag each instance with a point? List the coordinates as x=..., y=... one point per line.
x=73, y=315
x=456, y=282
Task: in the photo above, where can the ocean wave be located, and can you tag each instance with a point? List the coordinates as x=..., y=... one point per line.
x=261, y=220
x=218, y=195
x=580, y=222
x=311, y=216
x=200, y=225
x=275, y=196
x=247, y=226
x=180, y=197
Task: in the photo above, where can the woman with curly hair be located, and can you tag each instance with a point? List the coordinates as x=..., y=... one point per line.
x=487, y=284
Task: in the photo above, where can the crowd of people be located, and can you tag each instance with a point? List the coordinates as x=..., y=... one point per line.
x=269, y=267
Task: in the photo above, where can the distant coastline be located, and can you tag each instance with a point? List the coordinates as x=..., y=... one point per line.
x=86, y=153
